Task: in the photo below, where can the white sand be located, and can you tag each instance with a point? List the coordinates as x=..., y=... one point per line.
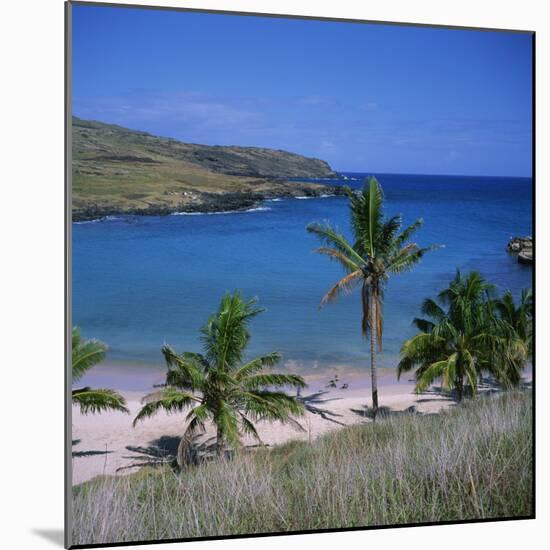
x=104, y=438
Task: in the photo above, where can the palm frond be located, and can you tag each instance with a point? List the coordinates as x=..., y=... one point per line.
x=408, y=257
x=423, y=324
x=226, y=335
x=365, y=303
x=225, y=419
x=422, y=349
x=85, y=354
x=407, y=233
x=255, y=365
x=274, y=380
x=98, y=400
x=431, y=373
x=345, y=285
x=366, y=216
x=432, y=309
x=389, y=228
x=333, y=238
x=470, y=369
x=271, y=405
x=372, y=291
x=196, y=419
x=185, y=371
x=76, y=337
x=249, y=428
x=347, y=263
x=170, y=400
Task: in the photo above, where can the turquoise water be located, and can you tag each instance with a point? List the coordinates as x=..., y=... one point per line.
x=139, y=282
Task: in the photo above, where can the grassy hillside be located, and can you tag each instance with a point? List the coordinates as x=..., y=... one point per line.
x=472, y=461
x=116, y=170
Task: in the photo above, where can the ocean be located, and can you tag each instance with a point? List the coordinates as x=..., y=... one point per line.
x=141, y=282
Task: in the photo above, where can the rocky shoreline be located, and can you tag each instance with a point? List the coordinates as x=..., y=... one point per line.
x=523, y=247
x=206, y=203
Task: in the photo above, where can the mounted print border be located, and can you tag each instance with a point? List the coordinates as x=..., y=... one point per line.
x=223, y=378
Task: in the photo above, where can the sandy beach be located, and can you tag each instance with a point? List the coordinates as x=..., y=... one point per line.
x=107, y=444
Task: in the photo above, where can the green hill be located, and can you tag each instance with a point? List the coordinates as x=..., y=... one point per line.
x=117, y=170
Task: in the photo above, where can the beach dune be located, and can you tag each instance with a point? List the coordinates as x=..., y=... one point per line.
x=107, y=444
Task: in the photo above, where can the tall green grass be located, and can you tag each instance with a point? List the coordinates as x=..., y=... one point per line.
x=472, y=461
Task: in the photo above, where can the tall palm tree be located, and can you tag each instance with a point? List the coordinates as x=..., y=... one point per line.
x=85, y=355
x=218, y=386
x=379, y=249
x=461, y=339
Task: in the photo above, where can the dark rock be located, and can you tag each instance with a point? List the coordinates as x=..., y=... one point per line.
x=210, y=202
x=525, y=257
x=516, y=244
x=523, y=247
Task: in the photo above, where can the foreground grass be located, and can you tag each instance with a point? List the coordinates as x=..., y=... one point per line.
x=470, y=462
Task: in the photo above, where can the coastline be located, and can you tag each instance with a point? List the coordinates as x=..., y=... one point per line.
x=109, y=445
x=211, y=203
x=140, y=376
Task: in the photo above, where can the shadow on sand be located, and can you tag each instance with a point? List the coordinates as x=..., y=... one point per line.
x=164, y=451
x=172, y=451
x=435, y=393
x=80, y=454
x=486, y=386
x=159, y=452
x=384, y=412
x=312, y=401
x=77, y=454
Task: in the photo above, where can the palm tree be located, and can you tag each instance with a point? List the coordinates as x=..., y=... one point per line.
x=85, y=355
x=218, y=386
x=379, y=249
x=519, y=317
x=517, y=324
x=461, y=339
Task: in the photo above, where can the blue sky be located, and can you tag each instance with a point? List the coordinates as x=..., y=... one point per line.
x=372, y=98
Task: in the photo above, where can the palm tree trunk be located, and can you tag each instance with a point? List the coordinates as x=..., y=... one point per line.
x=459, y=388
x=374, y=381
x=219, y=444
x=183, y=457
